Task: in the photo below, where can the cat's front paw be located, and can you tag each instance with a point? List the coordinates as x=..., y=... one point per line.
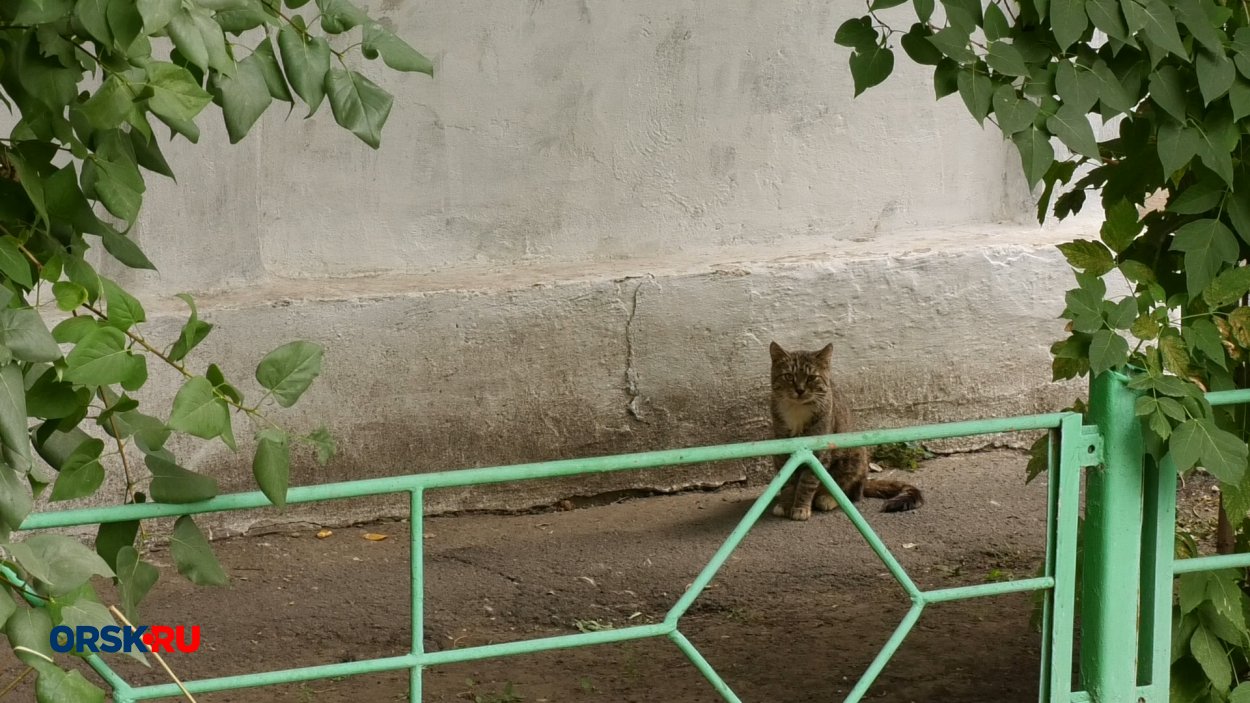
x=800, y=514
x=779, y=509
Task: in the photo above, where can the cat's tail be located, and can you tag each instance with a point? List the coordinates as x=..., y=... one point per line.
x=902, y=496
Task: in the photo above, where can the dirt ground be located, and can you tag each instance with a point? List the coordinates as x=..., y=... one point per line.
x=795, y=616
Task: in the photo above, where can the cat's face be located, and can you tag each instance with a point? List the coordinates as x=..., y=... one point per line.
x=801, y=376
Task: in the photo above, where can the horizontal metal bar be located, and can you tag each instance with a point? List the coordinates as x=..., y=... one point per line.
x=543, y=644
x=1229, y=397
x=272, y=678
x=1211, y=563
x=1144, y=693
x=549, y=469
x=985, y=590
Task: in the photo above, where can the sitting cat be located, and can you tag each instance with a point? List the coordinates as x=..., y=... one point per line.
x=805, y=403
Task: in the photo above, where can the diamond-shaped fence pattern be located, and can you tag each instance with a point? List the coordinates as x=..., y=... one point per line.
x=1077, y=449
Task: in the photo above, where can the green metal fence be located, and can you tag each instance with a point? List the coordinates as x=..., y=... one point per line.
x=1128, y=561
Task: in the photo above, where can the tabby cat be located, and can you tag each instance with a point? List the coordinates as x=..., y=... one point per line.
x=805, y=403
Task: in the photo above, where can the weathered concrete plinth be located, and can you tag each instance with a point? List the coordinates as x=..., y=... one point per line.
x=476, y=368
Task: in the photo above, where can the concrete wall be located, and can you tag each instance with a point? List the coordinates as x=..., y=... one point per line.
x=580, y=237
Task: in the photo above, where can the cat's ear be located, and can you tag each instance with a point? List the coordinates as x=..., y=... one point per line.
x=776, y=352
x=825, y=355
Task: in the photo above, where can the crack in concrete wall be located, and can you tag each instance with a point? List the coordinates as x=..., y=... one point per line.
x=634, y=407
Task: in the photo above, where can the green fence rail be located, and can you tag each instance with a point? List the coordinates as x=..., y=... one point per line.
x=1129, y=532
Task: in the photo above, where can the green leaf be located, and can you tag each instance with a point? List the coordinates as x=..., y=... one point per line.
x=1175, y=354
x=1218, y=139
x=1241, y=694
x=272, y=465
x=1208, y=245
x=30, y=628
x=93, y=15
x=855, y=33
x=13, y=434
x=1226, y=597
x=194, y=556
x=200, y=39
x=1121, y=315
x=869, y=67
x=69, y=563
x=111, y=538
x=1228, y=287
x=1200, y=442
x=288, y=370
x=15, y=497
x=157, y=13
x=917, y=45
x=13, y=264
x=1072, y=127
x=1087, y=256
x=26, y=336
x=995, y=25
x=185, y=33
x=73, y=329
x=101, y=359
x=953, y=43
x=1112, y=92
x=244, y=97
x=1210, y=654
x=307, y=63
x=1201, y=25
x=1013, y=112
x=82, y=474
x=51, y=398
x=1121, y=226
x=267, y=61
x=218, y=379
x=1198, y=198
x=1006, y=59
x=1107, y=350
x=323, y=443
x=1215, y=74
x=1202, y=335
x=1192, y=591
x=1085, y=307
x=397, y=54
x=945, y=78
x=193, y=332
x=125, y=250
x=198, y=410
x=1077, y=89
x=1145, y=327
x=1068, y=21
x=1106, y=16
x=135, y=579
x=124, y=310
x=69, y=296
x=1239, y=98
x=117, y=181
x=1177, y=145
x=175, y=92
x=1158, y=22
x=111, y=105
x=1168, y=91
x=173, y=484
x=977, y=91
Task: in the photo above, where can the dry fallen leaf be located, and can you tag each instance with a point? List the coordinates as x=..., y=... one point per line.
x=322, y=534
x=374, y=537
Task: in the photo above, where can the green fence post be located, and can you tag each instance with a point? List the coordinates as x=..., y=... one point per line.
x=1113, y=539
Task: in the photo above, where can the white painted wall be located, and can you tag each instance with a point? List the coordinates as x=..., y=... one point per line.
x=580, y=237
